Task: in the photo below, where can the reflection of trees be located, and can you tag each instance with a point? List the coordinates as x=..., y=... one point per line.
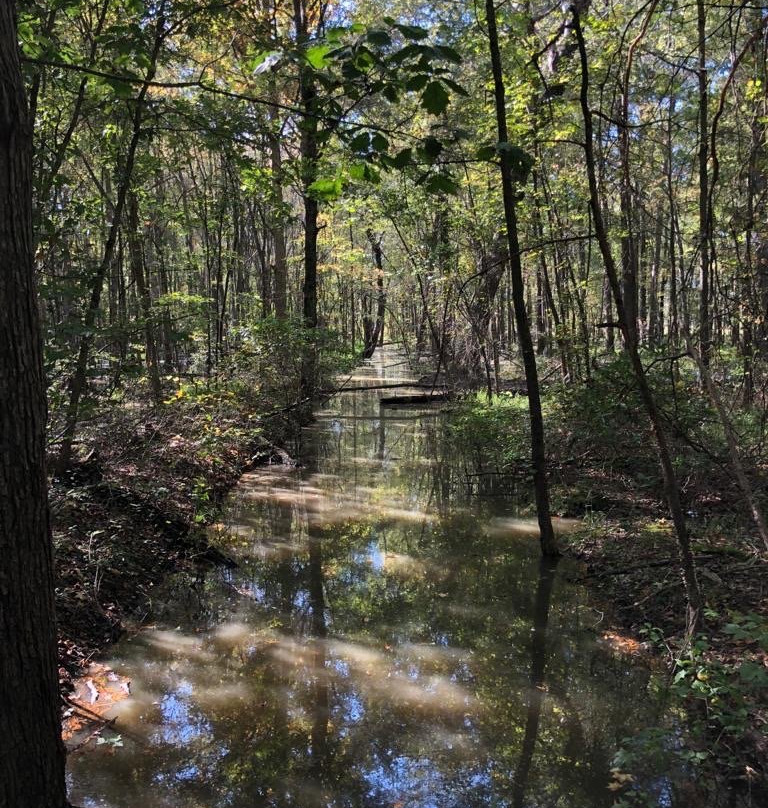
x=315, y=728
x=320, y=695
x=547, y=568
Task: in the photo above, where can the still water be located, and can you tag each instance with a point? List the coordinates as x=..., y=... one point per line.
x=389, y=638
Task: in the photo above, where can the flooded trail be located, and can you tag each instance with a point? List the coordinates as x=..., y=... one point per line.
x=389, y=638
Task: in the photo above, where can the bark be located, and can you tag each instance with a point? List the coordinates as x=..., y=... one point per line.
x=538, y=455
x=375, y=331
x=31, y=751
x=674, y=324
x=629, y=247
x=703, y=159
x=280, y=267
x=145, y=301
x=310, y=152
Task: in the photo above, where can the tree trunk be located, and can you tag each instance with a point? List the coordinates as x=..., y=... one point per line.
x=31, y=751
x=376, y=332
x=145, y=302
x=671, y=490
x=78, y=382
x=310, y=153
x=704, y=218
x=538, y=455
x=280, y=269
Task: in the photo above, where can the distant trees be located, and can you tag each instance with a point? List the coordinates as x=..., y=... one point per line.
x=200, y=169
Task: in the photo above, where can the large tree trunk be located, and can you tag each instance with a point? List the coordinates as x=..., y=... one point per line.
x=310, y=152
x=374, y=331
x=280, y=270
x=31, y=751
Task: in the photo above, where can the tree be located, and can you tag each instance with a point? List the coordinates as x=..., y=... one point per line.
x=629, y=334
x=31, y=750
x=511, y=158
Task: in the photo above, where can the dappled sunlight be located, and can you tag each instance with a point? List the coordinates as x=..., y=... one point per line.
x=433, y=654
x=622, y=644
x=517, y=527
x=376, y=674
x=174, y=643
x=406, y=566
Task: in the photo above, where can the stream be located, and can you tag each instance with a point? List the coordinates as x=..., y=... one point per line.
x=389, y=638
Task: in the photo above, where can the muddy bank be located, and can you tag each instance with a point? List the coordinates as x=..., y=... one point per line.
x=133, y=509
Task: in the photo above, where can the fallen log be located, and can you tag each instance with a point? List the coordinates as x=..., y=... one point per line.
x=413, y=401
x=383, y=386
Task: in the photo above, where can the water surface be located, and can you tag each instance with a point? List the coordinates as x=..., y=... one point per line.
x=390, y=638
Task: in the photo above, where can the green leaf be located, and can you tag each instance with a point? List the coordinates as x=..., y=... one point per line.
x=364, y=60
x=435, y=99
x=336, y=34
x=753, y=673
x=121, y=89
x=316, y=56
x=403, y=158
x=449, y=54
x=360, y=142
x=486, y=153
x=432, y=148
x=326, y=189
x=519, y=161
x=416, y=83
x=376, y=36
x=412, y=31
x=364, y=172
x=406, y=53
x=379, y=143
x=391, y=94
x=457, y=88
x=441, y=184
x=265, y=61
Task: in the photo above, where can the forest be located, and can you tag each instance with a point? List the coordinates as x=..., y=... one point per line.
x=383, y=403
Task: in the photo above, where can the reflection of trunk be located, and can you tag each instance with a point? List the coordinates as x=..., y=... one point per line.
x=374, y=331
x=320, y=695
x=547, y=569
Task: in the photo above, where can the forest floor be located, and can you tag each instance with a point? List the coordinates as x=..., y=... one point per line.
x=631, y=569
x=134, y=510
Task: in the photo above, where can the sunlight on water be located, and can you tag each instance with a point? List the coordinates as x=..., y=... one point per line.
x=388, y=638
